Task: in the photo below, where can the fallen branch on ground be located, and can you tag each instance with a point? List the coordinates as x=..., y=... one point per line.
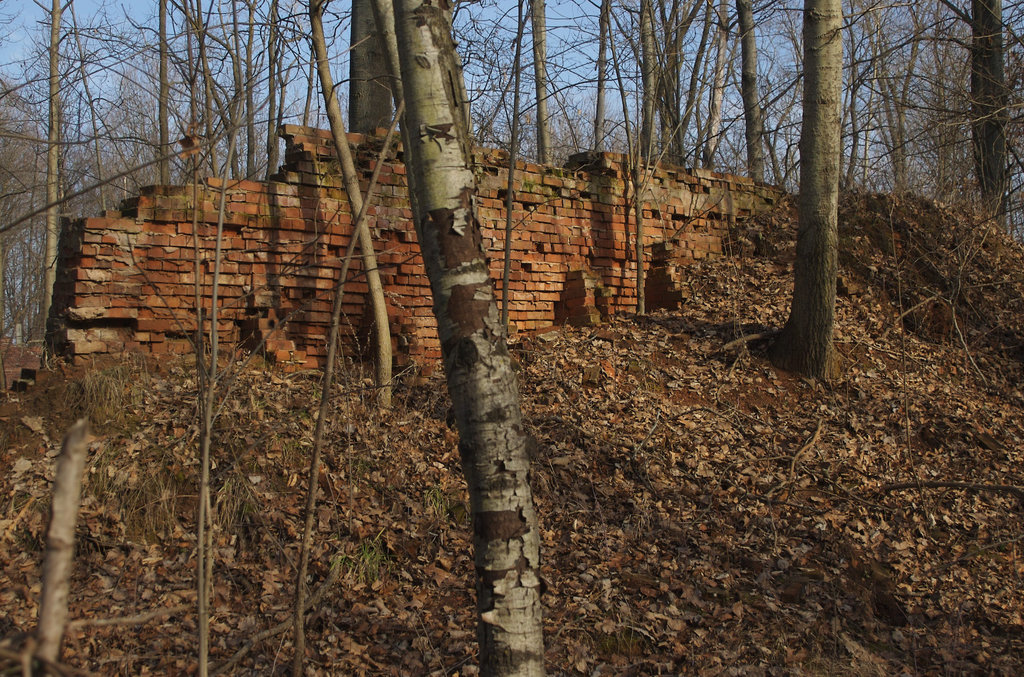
x=137, y=619
x=281, y=627
x=966, y=486
x=60, y=543
x=743, y=340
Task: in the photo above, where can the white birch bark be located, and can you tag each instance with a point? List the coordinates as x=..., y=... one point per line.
x=480, y=379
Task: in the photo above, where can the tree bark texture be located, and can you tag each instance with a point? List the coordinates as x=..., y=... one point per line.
x=273, y=82
x=649, y=78
x=753, y=118
x=163, y=100
x=989, y=98
x=60, y=542
x=538, y=20
x=369, y=100
x=513, y=157
x=718, y=85
x=805, y=343
x=52, y=165
x=382, y=328
x=477, y=364
x=604, y=34
x=250, y=90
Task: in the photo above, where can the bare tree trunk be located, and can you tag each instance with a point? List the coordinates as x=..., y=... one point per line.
x=163, y=101
x=310, y=79
x=648, y=76
x=752, y=116
x=273, y=82
x=805, y=343
x=718, y=86
x=481, y=381
x=895, y=100
x=634, y=161
x=199, y=26
x=235, y=54
x=538, y=20
x=208, y=379
x=384, y=15
x=4, y=326
x=676, y=19
x=91, y=103
x=60, y=542
x=250, y=85
x=694, y=88
x=52, y=165
x=312, y=484
x=369, y=101
x=382, y=329
x=989, y=98
x=602, y=66
x=513, y=153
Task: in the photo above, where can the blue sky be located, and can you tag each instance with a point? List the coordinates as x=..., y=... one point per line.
x=23, y=21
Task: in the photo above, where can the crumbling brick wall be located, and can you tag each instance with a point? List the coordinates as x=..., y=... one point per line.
x=129, y=280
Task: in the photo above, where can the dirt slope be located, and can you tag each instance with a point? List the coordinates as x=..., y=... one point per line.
x=702, y=513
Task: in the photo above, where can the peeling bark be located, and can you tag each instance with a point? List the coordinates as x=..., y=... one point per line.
x=477, y=364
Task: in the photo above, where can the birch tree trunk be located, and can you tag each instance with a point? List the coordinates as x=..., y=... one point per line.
x=538, y=19
x=382, y=329
x=805, y=344
x=477, y=365
x=52, y=166
x=752, y=116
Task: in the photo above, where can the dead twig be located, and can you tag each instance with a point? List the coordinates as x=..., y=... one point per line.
x=1017, y=491
x=796, y=459
x=137, y=619
x=743, y=340
x=899, y=318
x=60, y=543
x=283, y=626
x=24, y=659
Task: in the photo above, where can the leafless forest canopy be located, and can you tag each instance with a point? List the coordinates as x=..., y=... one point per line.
x=233, y=70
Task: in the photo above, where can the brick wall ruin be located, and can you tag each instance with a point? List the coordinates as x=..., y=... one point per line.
x=128, y=281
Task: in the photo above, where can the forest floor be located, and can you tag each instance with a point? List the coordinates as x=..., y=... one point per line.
x=701, y=512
